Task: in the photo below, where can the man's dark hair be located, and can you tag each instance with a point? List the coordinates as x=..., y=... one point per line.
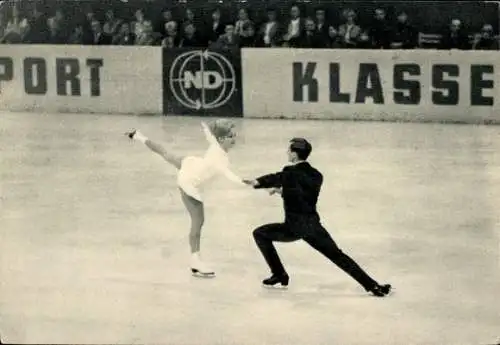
x=301, y=147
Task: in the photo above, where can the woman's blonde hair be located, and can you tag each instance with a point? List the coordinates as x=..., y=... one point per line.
x=221, y=128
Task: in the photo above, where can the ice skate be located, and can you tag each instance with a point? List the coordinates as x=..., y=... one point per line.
x=277, y=281
x=381, y=290
x=201, y=270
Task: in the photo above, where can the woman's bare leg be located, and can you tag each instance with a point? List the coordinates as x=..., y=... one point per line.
x=197, y=215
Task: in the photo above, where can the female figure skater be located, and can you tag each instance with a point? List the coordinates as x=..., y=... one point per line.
x=194, y=173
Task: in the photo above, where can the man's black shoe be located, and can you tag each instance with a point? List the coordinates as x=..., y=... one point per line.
x=277, y=281
x=381, y=290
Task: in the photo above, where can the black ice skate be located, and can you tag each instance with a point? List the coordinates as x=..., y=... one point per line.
x=277, y=281
x=381, y=290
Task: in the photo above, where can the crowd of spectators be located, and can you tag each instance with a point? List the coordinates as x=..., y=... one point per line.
x=187, y=30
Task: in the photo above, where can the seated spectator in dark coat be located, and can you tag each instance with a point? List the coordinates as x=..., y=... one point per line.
x=455, y=37
x=380, y=31
x=311, y=38
x=215, y=28
x=228, y=41
x=404, y=35
x=100, y=38
x=38, y=32
x=486, y=40
x=56, y=36
x=333, y=38
x=247, y=37
x=189, y=18
x=59, y=28
x=82, y=33
x=322, y=27
x=190, y=38
x=125, y=36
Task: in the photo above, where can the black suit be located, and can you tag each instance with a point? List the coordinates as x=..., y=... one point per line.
x=301, y=185
x=213, y=33
x=102, y=39
x=314, y=40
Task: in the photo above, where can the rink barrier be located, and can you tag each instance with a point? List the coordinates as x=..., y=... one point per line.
x=395, y=85
x=421, y=85
x=81, y=79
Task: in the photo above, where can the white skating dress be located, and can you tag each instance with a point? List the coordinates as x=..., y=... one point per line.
x=195, y=172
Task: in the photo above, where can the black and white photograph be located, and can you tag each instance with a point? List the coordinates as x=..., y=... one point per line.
x=250, y=172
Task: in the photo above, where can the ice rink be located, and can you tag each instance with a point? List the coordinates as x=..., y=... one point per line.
x=93, y=235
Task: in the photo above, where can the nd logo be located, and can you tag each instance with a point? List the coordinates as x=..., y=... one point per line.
x=209, y=80
x=202, y=79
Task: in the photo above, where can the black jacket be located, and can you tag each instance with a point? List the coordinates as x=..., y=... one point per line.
x=301, y=185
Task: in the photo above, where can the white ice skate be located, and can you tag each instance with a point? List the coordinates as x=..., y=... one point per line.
x=200, y=269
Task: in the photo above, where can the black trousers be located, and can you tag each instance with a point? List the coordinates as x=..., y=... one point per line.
x=317, y=237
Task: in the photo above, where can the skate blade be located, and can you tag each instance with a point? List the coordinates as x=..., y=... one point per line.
x=275, y=287
x=199, y=274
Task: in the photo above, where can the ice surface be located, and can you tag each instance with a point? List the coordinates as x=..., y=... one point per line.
x=93, y=235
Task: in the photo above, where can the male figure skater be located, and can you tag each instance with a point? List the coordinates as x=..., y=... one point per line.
x=299, y=185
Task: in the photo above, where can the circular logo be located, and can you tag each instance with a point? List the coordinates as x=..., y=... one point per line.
x=202, y=79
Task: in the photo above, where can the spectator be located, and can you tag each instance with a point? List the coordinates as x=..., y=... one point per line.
x=171, y=39
x=112, y=24
x=56, y=34
x=455, y=37
x=82, y=33
x=349, y=32
x=77, y=36
x=189, y=16
x=124, y=36
x=100, y=37
x=15, y=28
x=311, y=38
x=38, y=29
x=229, y=40
x=90, y=15
x=138, y=25
x=190, y=19
x=333, y=38
x=215, y=27
x=247, y=37
x=244, y=29
x=59, y=28
x=404, y=35
x=295, y=28
x=243, y=21
x=380, y=32
x=190, y=38
x=485, y=40
x=269, y=32
x=322, y=27
x=166, y=17
x=148, y=36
